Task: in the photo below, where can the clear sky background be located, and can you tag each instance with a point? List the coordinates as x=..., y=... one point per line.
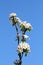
x=32, y=12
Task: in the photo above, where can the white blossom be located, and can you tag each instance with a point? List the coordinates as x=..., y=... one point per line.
x=25, y=25
x=23, y=46
x=14, y=19
x=18, y=20
x=12, y=15
x=26, y=37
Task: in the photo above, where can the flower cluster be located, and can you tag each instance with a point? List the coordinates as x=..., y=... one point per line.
x=14, y=19
x=23, y=47
x=24, y=26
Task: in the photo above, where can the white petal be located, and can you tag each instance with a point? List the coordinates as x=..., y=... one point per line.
x=25, y=36
x=12, y=14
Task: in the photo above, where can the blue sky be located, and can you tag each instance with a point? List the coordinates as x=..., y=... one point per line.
x=31, y=11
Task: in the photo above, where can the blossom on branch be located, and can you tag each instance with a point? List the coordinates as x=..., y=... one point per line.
x=12, y=15
x=25, y=26
x=14, y=19
x=23, y=47
x=18, y=20
x=26, y=37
